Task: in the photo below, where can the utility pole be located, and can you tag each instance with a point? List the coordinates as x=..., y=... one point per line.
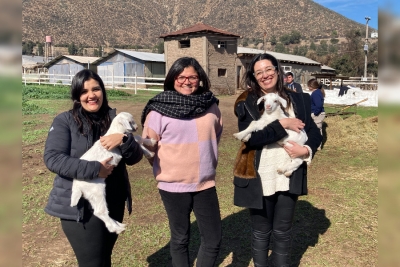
x=366, y=48
x=264, y=42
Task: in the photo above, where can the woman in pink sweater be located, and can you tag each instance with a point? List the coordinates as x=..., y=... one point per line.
x=186, y=121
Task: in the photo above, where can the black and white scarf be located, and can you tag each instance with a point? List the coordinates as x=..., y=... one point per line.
x=178, y=106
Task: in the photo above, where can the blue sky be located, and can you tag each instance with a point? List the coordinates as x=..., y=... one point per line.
x=356, y=10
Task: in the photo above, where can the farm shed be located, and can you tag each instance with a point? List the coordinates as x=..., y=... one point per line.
x=32, y=63
x=302, y=67
x=63, y=67
x=326, y=69
x=120, y=63
x=213, y=48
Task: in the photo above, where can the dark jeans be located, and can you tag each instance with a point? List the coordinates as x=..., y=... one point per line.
x=275, y=218
x=206, y=209
x=90, y=239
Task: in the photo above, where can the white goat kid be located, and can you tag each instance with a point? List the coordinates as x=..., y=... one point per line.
x=273, y=112
x=94, y=190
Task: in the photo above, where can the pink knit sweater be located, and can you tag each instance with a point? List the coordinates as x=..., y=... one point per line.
x=187, y=151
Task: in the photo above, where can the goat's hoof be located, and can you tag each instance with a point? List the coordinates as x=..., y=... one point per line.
x=150, y=156
x=153, y=141
x=246, y=138
x=288, y=173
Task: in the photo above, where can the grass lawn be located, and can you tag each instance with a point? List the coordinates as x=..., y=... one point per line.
x=335, y=225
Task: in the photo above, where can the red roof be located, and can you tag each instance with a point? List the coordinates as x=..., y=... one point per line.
x=199, y=27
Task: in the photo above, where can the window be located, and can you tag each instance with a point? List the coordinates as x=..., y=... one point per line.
x=221, y=72
x=287, y=68
x=184, y=43
x=221, y=44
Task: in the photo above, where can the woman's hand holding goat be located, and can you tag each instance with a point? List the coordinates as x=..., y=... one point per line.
x=105, y=168
x=295, y=150
x=111, y=141
x=293, y=124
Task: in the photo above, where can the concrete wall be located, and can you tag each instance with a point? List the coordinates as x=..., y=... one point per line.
x=204, y=48
x=172, y=50
x=222, y=59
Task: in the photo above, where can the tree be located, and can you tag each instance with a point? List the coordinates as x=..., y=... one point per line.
x=295, y=37
x=273, y=40
x=303, y=49
x=72, y=49
x=322, y=49
x=40, y=50
x=285, y=39
x=159, y=47
x=27, y=48
x=280, y=48
x=313, y=46
x=296, y=50
x=245, y=42
x=334, y=41
x=332, y=49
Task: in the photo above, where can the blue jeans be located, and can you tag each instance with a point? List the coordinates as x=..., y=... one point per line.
x=205, y=206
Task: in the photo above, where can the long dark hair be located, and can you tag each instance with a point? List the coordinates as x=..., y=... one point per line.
x=314, y=84
x=177, y=68
x=76, y=91
x=249, y=82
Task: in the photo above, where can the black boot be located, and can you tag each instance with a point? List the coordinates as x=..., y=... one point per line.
x=281, y=251
x=260, y=248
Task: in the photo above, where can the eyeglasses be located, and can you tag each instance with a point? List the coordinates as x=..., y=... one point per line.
x=269, y=71
x=191, y=79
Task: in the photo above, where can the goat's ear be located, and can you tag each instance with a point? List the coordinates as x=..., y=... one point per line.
x=283, y=102
x=260, y=100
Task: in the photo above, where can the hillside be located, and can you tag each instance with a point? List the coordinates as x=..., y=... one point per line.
x=141, y=22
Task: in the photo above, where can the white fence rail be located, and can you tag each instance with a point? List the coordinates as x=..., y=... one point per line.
x=113, y=82
x=369, y=83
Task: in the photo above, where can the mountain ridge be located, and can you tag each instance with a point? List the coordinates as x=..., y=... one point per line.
x=140, y=22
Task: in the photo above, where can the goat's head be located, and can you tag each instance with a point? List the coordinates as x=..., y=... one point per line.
x=124, y=122
x=271, y=102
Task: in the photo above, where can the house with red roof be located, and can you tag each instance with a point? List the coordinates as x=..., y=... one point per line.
x=213, y=48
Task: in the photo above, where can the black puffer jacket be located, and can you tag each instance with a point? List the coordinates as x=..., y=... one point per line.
x=64, y=146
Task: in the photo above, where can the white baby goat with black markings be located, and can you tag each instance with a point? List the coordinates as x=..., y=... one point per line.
x=94, y=190
x=273, y=111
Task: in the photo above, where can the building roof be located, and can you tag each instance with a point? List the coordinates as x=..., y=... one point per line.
x=279, y=56
x=145, y=56
x=78, y=59
x=199, y=27
x=324, y=67
x=32, y=59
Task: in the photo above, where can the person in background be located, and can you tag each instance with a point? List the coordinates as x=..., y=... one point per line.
x=296, y=87
x=271, y=197
x=71, y=134
x=317, y=102
x=284, y=79
x=186, y=122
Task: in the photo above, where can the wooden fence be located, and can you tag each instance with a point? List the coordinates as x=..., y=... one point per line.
x=110, y=82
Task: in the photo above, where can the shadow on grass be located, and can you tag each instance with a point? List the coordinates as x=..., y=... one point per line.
x=235, y=243
x=309, y=223
x=324, y=134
